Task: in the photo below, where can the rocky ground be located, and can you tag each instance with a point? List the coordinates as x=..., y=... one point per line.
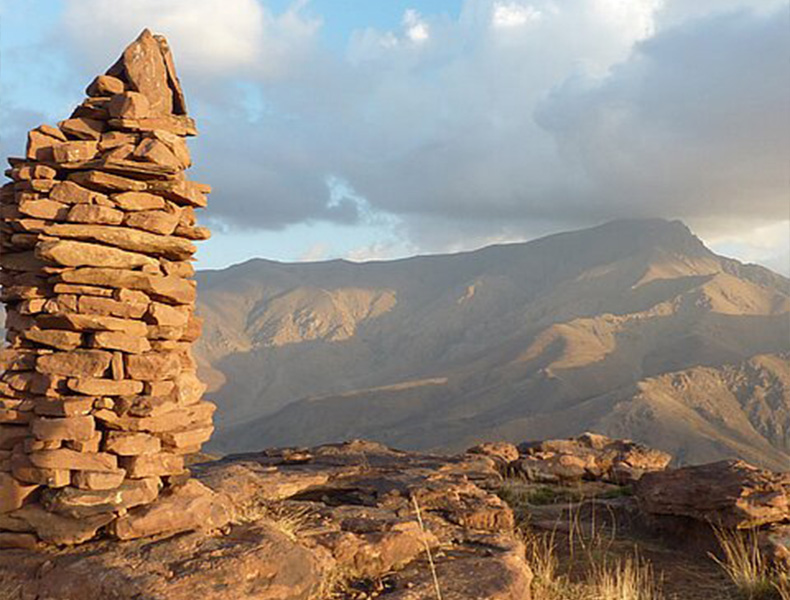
x=359, y=520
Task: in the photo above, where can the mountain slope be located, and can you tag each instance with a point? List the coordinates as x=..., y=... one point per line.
x=439, y=351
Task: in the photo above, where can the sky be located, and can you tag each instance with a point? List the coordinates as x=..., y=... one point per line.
x=365, y=129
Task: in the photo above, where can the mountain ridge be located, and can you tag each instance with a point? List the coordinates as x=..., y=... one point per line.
x=514, y=331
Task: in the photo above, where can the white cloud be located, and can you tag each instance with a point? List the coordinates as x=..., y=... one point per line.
x=417, y=29
x=514, y=14
x=208, y=36
x=516, y=118
x=316, y=252
x=633, y=19
x=768, y=245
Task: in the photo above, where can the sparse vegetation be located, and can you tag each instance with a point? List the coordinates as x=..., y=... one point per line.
x=629, y=578
x=782, y=584
x=746, y=566
x=520, y=495
x=290, y=520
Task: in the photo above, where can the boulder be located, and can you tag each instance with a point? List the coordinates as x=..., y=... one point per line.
x=53, y=528
x=730, y=493
x=591, y=457
x=185, y=508
x=81, y=503
x=503, y=452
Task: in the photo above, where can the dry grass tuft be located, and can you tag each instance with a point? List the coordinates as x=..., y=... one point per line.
x=783, y=586
x=747, y=568
x=293, y=521
x=630, y=578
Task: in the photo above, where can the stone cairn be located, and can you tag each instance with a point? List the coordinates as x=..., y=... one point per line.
x=99, y=399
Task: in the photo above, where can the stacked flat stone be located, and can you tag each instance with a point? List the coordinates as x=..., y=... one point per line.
x=99, y=400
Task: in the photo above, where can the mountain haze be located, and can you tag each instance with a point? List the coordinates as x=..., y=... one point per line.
x=589, y=329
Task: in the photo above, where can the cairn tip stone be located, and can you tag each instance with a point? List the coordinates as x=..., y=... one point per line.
x=100, y=403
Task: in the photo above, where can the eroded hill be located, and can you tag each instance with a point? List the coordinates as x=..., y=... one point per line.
x=587, y=329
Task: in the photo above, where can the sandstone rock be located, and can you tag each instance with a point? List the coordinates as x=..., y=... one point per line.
x=155, y=221
x=11, y=435
x=114, y=139
x=189, y=507
x=155, y=151
x=105, y=85
x=728, y=493
x=188, y=388
x=131, y=444
x=152, y=465
x=187, y=438
x=153, y=366
x=94, y=214
x=78, y=363
x=134, y=201
x=33, y=171
x=79, y=504
x=80, y=254
x=79, y=270
x=177, y=145
x=102, y=181
x=116, y=340
x=182, y=192
x=44, y=209
x=24, y=470
x=144, y=67
x=169, y=288
x=25, y=541
x=130, y=105
x=68, y=152
x=82, y=128
x=70, y=459
x=83, y=290
x=25, y=188
x=63, y=406
x=13, y=359
x=503, y=452
x=53, y=528
x=589, y=456
x=54, y=338
x=125, y=238
x=21, y=261
x=198, y=414
x=69, y=192
x=40, y=145
x=170, y=316
x=176, y=124
x=66, y=428
x=80, y=322
x=13, y=493
x=109, y=307
x=105, y=387
x=97, y=480
x=774, y=543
